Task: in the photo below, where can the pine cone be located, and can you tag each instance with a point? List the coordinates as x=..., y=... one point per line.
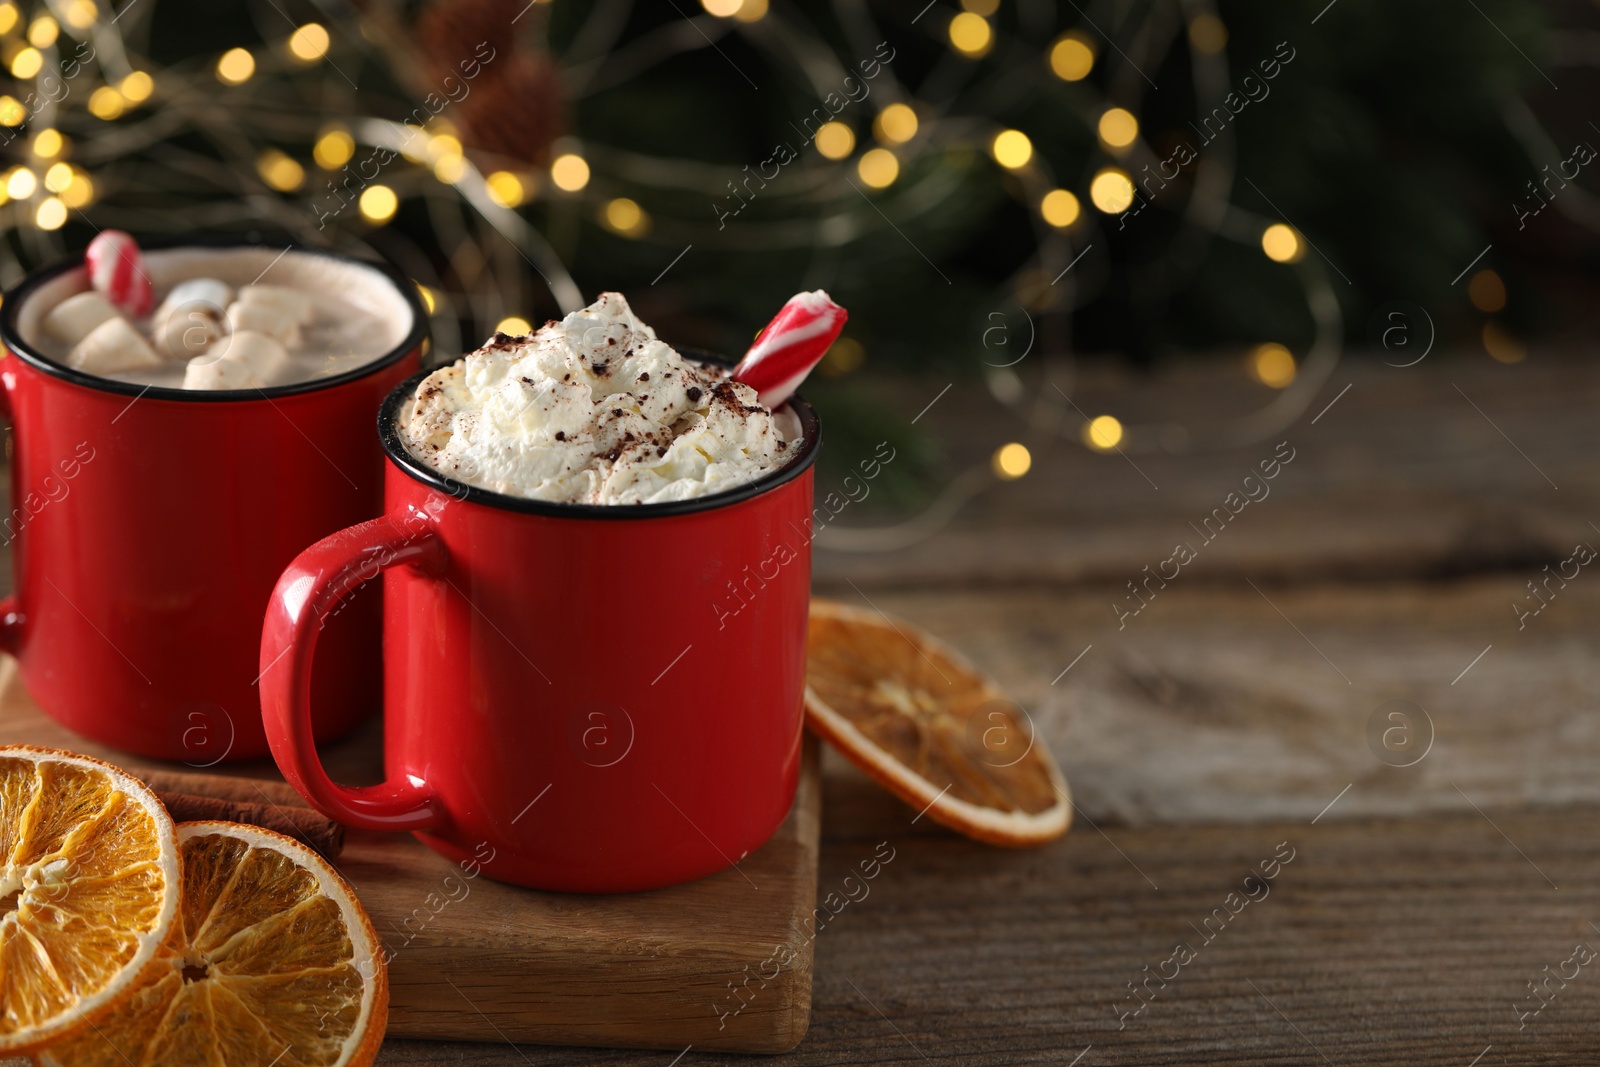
x=514, y=106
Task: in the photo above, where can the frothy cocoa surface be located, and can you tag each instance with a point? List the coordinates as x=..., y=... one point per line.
x=593, y=409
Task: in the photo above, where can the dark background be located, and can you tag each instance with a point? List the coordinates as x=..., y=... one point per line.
x=1400, y=141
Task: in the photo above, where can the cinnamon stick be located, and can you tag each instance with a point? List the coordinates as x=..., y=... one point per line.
x=227, y=787
x=305, y=825
x=192, y=797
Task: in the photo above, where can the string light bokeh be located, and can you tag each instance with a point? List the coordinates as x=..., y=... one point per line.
x=101, y=133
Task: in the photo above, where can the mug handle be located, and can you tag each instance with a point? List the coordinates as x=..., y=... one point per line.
x=307, y=591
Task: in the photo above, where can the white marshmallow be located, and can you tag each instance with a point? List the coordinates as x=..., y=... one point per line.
x=293, y=304
x=212, y=295
x=262, y=355
x=264, y=318
x=112, y=347
x=219, y=372
x=75, y=317
x=185, y=331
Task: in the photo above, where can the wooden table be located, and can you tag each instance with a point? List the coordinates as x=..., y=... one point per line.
x=1228, y=723
x=1231, y=715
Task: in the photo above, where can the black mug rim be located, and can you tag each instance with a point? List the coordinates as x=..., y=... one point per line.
x=11, y=335
x=401, y=457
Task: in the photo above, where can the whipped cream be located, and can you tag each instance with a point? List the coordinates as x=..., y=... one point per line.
x=594, y=409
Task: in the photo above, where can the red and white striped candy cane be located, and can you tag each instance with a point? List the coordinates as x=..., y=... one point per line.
x=790, y=345
x=117, y=269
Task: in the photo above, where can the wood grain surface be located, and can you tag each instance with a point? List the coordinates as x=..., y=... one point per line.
x=1223, y=719
x=1449, y=467
x=1382, y=942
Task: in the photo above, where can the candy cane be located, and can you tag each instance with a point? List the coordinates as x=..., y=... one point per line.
x=117, y=269
x=790, y=345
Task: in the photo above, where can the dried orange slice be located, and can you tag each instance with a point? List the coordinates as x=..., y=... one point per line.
x=930, y=728
x=272, y=962
x=88, y=891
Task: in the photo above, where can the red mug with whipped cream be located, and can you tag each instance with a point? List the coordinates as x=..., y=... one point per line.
x=595, y=558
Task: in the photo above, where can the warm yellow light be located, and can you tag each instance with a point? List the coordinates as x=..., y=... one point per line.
x=58, y=177
x=981, y=7
x=1501, y=345
x=80, y=14
x=415, y=147
x=378, y=203
x=79, y=191
x=1072, y=57
x=723, y=9
x=1011, y=149
x=1104, y=432
x=1486, y=291
x=895, y=124
x=842, y=357
x=26, y=63
x=835, y=140
x=450, y=169
x=1011, y=461
x=42, y=33
x=505, y=188
x=1281, y=243
x=751, y=11
x=569, y=172
x=626, y=217
x=279, y=171
x=970, y=34
x=428, y=299
x=334, y=148
x=443, y=146
x=11, y=111
x=47, y=144
x=514, y=326
x=878, y=168
x=1060, y=208
x=309, y=42
x=106, y=103
x=9, y=17
x=1111, y=191
x=1272, y=364
x=1118, y=127
x=137, y=86
x=21, y=184
x=51, y=215
x=235, y=66
x=1207, y=34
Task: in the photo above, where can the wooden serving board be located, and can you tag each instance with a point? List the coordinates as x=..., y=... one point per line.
x=721, y=963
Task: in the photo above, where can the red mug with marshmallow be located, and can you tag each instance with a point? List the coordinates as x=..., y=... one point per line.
x=148, y=523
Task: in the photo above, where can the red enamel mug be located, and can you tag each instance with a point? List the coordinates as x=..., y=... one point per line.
x=148, y=524
x=579, y=698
